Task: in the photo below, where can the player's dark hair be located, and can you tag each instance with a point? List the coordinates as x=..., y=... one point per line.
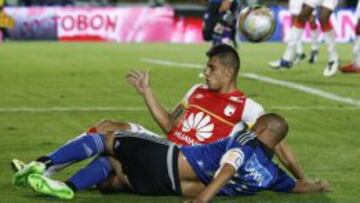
x=275, y=124
x=227, y=55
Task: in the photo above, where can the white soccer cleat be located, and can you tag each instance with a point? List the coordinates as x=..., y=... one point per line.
x=331, y=68
x=17, y=165
x=281, y=63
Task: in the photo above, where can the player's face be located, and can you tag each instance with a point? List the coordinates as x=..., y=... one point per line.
x=215, y=74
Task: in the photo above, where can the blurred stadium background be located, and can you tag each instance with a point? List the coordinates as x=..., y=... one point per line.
x=55, y=82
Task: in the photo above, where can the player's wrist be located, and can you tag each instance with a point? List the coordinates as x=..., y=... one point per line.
x=147, y=91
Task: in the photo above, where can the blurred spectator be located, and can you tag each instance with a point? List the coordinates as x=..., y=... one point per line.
x=6, y=22
x=46, y=2
x=156, y=3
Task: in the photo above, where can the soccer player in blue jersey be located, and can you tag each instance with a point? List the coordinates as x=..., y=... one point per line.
x=219, y=21
x=238, y=165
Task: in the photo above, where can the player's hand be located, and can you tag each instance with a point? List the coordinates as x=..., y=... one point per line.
x=139, y=79
x=324, y=185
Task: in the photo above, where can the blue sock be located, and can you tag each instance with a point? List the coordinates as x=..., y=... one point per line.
x=78, y=149
x=96, y=172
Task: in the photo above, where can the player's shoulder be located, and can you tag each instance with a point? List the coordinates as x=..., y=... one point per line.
x=193, y=89
x=198, y=86
x=243, y=138
x=251, y=103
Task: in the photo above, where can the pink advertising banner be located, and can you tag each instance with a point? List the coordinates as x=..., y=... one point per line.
x=133, y=24
x=141, y=24
x=124, y=24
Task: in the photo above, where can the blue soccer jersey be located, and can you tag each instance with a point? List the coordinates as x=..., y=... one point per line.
x=256, y=171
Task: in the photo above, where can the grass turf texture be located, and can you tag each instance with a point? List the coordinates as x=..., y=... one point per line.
x=324, y=134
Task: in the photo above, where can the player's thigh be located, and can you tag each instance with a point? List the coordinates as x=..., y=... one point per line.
x=325, y=14
x=306, y=11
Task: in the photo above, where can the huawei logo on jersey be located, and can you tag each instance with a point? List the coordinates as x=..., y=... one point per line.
x=199, y=124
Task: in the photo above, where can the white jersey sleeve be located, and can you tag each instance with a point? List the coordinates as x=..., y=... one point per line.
x=252, y=111
x=235, y=157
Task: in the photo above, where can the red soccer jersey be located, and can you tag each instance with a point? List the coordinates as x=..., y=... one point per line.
x=211, y=116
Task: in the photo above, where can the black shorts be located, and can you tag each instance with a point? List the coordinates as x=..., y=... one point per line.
x=150, y=163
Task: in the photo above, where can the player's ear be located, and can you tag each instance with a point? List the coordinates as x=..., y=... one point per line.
x=229, y=72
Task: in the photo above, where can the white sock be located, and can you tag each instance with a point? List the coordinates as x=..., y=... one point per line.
x=330, y=41
x=295, y=36
x=314, y=39
x=299, y=47
x=356, y=51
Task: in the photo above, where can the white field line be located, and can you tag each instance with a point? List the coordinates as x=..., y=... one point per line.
x=144, y=109
x=283, y=83
x=172, y=64
x=302, y=88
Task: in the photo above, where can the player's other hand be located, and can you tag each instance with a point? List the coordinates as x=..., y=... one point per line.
x=324, y=185
x=139, y=79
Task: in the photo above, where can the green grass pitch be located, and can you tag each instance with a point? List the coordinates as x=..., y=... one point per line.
x=56, y=77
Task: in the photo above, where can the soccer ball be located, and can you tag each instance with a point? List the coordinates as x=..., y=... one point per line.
x=256, y=23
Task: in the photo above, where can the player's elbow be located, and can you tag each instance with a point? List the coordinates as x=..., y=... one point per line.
x=167, y=127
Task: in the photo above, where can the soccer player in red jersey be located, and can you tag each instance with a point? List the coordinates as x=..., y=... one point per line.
x=207, y=113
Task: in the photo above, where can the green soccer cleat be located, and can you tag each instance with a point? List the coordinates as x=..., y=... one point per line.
x=20, y=177
x=46, y=186
x=17, y=165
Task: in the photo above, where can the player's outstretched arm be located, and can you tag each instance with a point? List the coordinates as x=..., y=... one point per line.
x=289, y=160
x=141, y=82
x=306, y=186
x=226, y=172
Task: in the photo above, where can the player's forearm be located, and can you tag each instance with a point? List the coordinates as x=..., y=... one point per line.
x=227, y=171
x=158, y=112
x=289, y=160
x=304, y=186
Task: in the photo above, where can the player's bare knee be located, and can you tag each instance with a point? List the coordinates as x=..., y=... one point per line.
x=305, y=13
x=325, y=14
x=106, y=126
